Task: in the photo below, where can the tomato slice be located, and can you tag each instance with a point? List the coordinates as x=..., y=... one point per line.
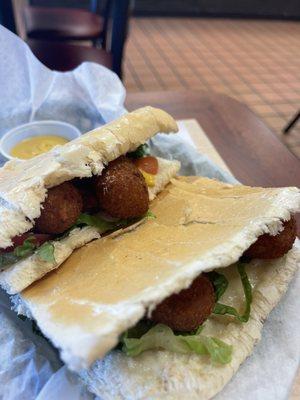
x=39, y=238
x=148, y=164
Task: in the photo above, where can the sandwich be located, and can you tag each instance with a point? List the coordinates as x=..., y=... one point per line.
x=99, y=183
x=170, y=308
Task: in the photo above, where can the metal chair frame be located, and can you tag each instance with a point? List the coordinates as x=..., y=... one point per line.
x=291, y=123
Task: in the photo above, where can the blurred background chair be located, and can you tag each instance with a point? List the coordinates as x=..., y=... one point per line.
x=7, y=17
x=53, y=34
x=65, y=24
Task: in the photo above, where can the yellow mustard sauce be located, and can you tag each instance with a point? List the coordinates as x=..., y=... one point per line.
x=36, y=145
x=149, y=178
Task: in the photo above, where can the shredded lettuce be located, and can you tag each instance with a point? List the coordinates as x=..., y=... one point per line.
x=150, y=215
x=223, y=309
x=141, y=151
x=104, y=225
x=146, y=336
x=162, y=337
x=99, y=222
x=45, y=252
x=219, y=282
x=26, y=248
x=7, y=259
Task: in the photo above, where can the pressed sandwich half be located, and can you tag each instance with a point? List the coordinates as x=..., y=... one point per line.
x=61, y=200
x=170, y=308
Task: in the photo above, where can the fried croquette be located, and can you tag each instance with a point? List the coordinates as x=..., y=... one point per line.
x=189, y=308
x=121, y=189
x=86, y=188
x=270, y=247
x=90, y=202
x=60, y=210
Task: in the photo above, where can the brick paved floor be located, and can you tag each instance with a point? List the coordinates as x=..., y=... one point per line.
x=255, y=61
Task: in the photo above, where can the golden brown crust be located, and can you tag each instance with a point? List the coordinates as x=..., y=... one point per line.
x=85, y=187
x=121, y=190
x=188, y=309
x=270, y=247
x=60, y=209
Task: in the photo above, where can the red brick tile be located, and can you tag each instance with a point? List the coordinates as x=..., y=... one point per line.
x=292, y=97
x=286, y=108
x=221, y=88
x=292, y=138
x=232, y=78
x=295, y=84
x=262, y=87
x=256, y=62
x=251, y=98
x=275, y=122
x=286, y=76
x=263, y=109
x=273, y=97
x=296, y=151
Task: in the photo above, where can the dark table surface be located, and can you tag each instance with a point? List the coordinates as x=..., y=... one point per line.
x=251, y=150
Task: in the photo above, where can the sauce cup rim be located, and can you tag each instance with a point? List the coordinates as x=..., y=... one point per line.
x=73, y=131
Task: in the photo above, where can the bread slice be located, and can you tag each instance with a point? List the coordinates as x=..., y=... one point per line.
x=20, y=275
x=108, y=285
x=162, y=375
x=24, y=183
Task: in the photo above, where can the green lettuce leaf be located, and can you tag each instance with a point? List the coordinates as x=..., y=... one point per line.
x=149, y=215
x=139, y=329
x=98, y=222
x=141, y=151
x=223, y=309
x=104, y=225
x=46, y=252
x=219, y=282
x=162, y=337
x=7, y=259
x=25, y=249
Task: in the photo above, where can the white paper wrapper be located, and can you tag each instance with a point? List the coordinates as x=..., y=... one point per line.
x=87, y=97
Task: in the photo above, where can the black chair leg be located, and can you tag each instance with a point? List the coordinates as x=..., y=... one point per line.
x=291, y=123
x=7, y=17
